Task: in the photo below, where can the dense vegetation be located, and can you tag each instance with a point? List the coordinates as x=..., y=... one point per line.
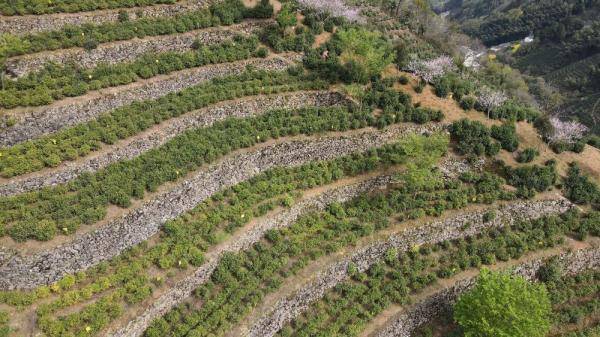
x=346, y=309
x=573, y=298
x=579, y=188
x=42, y=214
x=21, y=7
x=80, y=140
x=241, y=280
x=56, y=82
x=90, y=35
x=184, y=240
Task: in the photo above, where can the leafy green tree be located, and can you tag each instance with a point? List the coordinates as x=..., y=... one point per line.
x=287, y=17
x=364, y=48
x=423, y=152
x=501, y=305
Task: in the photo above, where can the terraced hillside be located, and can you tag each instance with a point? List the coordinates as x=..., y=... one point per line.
x=264, y=168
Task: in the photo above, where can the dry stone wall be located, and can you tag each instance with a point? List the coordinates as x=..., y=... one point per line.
x=440, y=303
x=129, y=50
x=449, y=229
x=137, y=145
x=85, y=250
x=184, y=288
x=20, y=25
x=51, y=118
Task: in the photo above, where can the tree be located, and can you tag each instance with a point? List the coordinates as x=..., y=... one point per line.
x=501, y=305
x=286, y=17
x=567, y=132
x=489, y=99
x=364, y=48
x=423, y=152
x=336, y=8
x=431, y=69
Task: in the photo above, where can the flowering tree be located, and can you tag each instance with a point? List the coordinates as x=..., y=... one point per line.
x=490, y=99
x=568, y=132
x=431, y=69
x=334, y=8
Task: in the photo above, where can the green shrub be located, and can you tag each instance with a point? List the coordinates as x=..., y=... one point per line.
x=442, y=86
x=473, y=138
x=579, y=188
x=527, y=155
x=506, y=134
x=468, y=102
x=539, y=178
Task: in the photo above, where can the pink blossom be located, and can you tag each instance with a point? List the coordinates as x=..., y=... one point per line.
x=431, y=69
x=490, y=99
x=568, y=132
x=334, y=8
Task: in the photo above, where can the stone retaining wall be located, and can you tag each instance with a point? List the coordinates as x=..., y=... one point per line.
x=51, y=118
x=20, y=25
x=288, y=309
x=86, y=250
x=129, y=50
x=441, y=303
x=136, y=145
x=184, y=288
